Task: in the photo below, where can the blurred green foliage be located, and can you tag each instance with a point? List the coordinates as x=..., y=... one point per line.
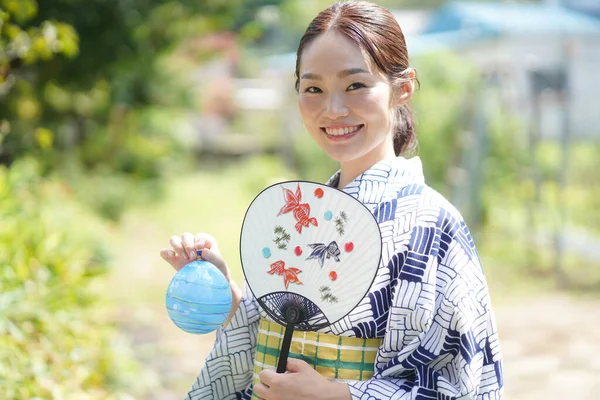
x=88, y=90
x=94, y=86
x=55, y=340
x=310, y=161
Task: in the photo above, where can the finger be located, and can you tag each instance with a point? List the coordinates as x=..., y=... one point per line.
x=214, y=258
x=168, y=255
x=262, y=390
x=204, y=240
x=188, y=245
x=268, y=377
x=177, y=245
x=295, y=365
x=172, y=258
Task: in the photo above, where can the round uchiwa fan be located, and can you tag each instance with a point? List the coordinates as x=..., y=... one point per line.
x=309, y=253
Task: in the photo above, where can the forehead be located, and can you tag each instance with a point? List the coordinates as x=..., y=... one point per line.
x=331, y=52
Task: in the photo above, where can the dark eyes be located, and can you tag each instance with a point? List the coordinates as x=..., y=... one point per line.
x=354, y=86
x=313, y=89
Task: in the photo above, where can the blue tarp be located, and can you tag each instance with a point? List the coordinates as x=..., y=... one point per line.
x=511, y=20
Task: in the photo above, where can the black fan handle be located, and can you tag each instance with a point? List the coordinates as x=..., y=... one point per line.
x=293, y=314
x=285, y=348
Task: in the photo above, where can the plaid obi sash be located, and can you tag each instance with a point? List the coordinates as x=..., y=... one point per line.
x=335, y=357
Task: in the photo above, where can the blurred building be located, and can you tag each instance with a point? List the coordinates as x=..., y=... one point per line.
x=591, y=7
x=544, y=58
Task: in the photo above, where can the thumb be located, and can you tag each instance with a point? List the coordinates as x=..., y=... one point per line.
x=215, y=258
x=294, y=365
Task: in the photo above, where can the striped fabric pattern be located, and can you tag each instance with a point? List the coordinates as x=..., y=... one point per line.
x=335, y=357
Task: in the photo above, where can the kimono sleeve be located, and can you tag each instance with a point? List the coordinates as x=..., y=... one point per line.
x=228, y=370
x=440, y=341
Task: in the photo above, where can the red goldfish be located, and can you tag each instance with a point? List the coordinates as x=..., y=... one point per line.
x=290, y=275
x=292, y=200
x=302, y=215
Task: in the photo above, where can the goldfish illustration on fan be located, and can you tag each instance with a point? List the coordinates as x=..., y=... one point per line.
x=309, y=254
x=301, y=211
x=321, y=251
x=289, y=274
x=198, y=298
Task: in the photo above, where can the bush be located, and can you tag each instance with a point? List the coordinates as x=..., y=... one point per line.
x=311, y=162
x=55, y=341
x=110, y=195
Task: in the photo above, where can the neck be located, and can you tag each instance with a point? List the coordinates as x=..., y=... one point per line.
x=352, y=169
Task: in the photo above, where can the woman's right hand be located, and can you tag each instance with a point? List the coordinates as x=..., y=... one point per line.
x=184, y=250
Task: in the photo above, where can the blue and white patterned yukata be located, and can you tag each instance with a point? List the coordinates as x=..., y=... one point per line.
x=429, y=304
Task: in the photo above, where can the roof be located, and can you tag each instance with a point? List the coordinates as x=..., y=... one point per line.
x=510, y=19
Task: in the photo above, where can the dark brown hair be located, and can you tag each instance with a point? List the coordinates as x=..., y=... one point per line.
x=377, y=32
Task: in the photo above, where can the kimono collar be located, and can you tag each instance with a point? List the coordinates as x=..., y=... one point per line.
x=370, y=187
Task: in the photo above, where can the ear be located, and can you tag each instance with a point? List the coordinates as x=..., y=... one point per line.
x=404, y=90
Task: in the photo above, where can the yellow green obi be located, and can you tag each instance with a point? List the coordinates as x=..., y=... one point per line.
x=335, y=357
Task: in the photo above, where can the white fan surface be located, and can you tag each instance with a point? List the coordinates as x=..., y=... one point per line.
x=355, y=270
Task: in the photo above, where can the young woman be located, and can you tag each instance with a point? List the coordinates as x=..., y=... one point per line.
x=426, y=328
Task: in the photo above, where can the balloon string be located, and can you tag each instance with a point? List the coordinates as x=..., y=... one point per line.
x=285, y=348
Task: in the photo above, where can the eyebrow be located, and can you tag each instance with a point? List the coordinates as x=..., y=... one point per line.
x=341, y=74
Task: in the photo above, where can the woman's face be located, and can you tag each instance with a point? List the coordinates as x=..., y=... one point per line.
x=345, y=102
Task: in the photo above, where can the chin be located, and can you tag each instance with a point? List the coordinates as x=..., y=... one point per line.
x=341, y=156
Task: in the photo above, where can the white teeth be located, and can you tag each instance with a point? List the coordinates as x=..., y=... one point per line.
x=340, y=131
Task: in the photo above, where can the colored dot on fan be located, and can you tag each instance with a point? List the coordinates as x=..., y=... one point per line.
x=349, y=247
x=319, y=193
x=328, y=215
x=266, y=252
x=333, y=275
x=298, y=250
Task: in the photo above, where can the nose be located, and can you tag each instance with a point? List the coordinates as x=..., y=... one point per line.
x=335, y=106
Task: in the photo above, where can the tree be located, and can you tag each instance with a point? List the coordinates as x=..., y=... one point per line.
x=101, y=64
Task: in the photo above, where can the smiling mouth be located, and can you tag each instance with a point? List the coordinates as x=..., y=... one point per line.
x=342, y=133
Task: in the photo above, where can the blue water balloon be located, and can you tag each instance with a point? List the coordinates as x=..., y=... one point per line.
x=198, y=298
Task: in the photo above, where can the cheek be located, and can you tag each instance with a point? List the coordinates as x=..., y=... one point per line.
x=380, y=98
x=372, y=103
x=308, y=107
